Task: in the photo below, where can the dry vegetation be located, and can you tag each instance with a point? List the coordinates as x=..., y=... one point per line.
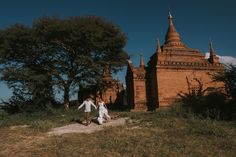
x=162, y=133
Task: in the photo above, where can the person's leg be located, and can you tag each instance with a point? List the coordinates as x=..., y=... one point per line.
x=106, y=115
x=87, y=118
x=100, y=120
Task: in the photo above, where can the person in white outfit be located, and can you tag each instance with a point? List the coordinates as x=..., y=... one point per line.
x=103, y=112
x=87, y=109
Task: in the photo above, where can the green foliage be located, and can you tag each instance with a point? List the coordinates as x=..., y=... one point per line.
x=63, y=53
x=218, y=104
x=212, y=105
x=228, y=77
x=19, y=104
x=21, y=67
x=81, y=47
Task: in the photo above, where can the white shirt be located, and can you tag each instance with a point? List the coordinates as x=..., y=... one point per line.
x=87, y=104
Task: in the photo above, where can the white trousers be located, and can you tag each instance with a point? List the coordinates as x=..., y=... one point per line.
x=103, y=116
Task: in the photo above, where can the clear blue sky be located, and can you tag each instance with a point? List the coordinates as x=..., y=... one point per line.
x=142, y=21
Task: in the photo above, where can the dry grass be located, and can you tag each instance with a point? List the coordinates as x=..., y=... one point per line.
x=146, y=134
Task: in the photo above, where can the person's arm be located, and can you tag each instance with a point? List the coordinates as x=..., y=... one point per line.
x=81, y=105
x=93, y=105
x=105, y=105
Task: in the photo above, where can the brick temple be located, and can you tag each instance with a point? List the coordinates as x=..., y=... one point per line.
x=112, y=92
x=173, y=69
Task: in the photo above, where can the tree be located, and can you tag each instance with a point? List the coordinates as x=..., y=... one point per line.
x=228, y=77
x=80, y=49
x=60, y=52
x=22, y=65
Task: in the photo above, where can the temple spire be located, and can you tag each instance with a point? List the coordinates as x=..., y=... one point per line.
x=141, y=61
x=170, y=19
x=172, y=38
x=212, y=58
x=158, y=46
x=212, y=51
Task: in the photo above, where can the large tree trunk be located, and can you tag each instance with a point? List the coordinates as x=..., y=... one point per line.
x=66, y=96
x=50, y=90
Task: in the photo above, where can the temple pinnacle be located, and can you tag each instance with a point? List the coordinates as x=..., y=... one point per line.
x=172, y=38
x=141, y=61
x=158, y=46
x=212, y=51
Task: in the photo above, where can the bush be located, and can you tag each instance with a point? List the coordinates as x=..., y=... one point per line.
x=19, y=104
x=213, y=105
x=218, y=103
x=228, y=77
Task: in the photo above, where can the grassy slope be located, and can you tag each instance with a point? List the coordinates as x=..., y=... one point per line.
x=147, y=134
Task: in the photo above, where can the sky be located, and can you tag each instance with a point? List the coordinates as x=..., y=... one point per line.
x=143, y=21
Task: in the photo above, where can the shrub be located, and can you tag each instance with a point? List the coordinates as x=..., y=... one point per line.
x=19, y=104
x=213, y=105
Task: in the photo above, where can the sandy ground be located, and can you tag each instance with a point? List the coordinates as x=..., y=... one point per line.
x=80, y=128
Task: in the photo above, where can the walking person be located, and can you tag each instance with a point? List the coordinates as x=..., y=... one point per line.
x=87, y=109
x=103, y=112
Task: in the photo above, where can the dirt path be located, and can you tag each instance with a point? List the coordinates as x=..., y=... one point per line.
x=80, y=128
x=20, y=141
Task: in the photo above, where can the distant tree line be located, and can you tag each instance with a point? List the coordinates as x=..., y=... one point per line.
x=57, y=53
